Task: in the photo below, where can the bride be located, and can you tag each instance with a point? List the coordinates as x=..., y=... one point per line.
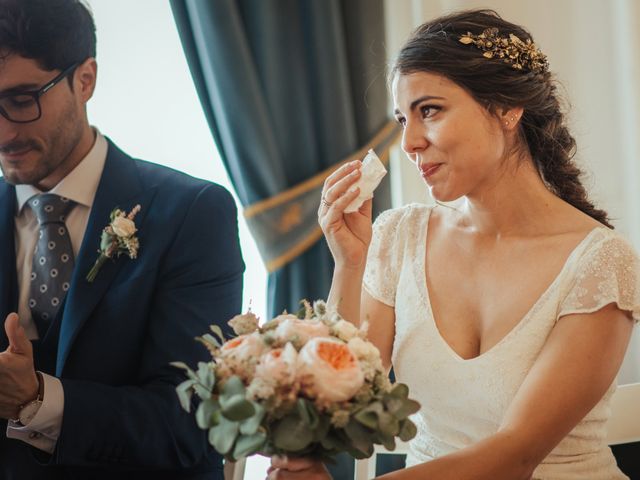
x=508, y=315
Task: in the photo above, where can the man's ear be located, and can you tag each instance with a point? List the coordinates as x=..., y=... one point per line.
x=84, y=79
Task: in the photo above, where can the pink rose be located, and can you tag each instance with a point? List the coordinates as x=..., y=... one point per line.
x=329, y=370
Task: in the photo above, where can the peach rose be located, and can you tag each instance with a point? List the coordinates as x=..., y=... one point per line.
x=241, y=354
x=279, y=365
x=329, y=369
x=292, y=329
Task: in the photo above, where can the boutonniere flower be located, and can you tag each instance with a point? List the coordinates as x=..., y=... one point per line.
x=118, y=238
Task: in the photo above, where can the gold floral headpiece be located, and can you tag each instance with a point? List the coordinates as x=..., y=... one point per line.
x=521, y=55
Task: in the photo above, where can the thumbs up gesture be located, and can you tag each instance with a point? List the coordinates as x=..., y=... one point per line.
x=18, y=380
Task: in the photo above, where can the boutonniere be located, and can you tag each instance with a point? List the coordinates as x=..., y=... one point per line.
x=118, y=238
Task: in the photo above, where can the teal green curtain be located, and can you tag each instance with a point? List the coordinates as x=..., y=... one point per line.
x=289, y=88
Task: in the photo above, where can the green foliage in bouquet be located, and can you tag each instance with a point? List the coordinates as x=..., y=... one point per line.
x=249, y=407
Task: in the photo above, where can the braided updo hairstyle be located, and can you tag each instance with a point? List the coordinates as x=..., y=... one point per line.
x=435, y=47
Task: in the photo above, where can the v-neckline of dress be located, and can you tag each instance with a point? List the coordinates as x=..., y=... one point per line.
x=422, y=273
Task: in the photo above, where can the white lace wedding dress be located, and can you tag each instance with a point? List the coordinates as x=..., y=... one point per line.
x=464, y=401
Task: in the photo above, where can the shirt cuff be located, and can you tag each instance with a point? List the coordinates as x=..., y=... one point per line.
x=43, y=430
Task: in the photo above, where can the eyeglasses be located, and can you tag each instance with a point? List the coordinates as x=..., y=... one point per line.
x=24, y=107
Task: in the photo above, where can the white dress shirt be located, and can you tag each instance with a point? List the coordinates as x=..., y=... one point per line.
x=80, y=185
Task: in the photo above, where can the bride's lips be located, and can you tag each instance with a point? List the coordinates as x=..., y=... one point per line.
x=429, y=169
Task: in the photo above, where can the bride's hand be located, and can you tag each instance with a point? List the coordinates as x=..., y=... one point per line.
x=348, y=234
x=284, y=468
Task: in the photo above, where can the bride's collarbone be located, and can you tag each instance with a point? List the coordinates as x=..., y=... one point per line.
x=478, y=296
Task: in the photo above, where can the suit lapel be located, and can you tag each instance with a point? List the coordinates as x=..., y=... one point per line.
x=121, y=187
x=8, y=275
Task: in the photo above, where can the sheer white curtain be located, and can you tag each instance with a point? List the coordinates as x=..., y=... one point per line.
x=592, y=47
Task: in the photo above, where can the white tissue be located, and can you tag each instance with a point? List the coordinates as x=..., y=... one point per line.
x=372, y=173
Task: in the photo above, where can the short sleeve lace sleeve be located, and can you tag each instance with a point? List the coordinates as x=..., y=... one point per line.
x=609, y=272
x=384, y=257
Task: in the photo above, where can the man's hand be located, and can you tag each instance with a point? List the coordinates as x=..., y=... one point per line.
x=284, y=468
x=18, y=379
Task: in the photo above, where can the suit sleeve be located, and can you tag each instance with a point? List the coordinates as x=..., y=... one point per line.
x=142, y=425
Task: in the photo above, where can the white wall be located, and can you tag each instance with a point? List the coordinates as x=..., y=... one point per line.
x=592, y=47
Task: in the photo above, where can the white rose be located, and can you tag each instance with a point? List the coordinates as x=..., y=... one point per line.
x=293, y=329
x=345, y=330
x=368, y=356
x=279, y=365
x=329, y=370
x=364, y=350
x=123, y=227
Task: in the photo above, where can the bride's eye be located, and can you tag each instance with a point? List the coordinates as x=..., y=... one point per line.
x=429, y=110
x=401, y=120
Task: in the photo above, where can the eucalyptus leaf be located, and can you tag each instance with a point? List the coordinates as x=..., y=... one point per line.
x=408, y=430
x=233, y=386
x=360, y=437
x=223, y=435
x=217, y=332
x=329, y=442
x=209, y=341
x=292, y=434
x=388, y=442
x=205, y=414
x=337, y=440
x=251, y=424
x=236, y=407
x=249, y=444
x=206, y=375
x=105, y=240
x=185, y=393
x=202, y=392
x=357, y=454
x=399, y=390
x=388, y=424
x=408, y=407
x=302, y=411
x=367, y=418
x=180, y=365
x=183, y=366
x=321, y=429
x=307, y=412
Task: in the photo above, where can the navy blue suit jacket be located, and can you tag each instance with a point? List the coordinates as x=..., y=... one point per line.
x=113, y=340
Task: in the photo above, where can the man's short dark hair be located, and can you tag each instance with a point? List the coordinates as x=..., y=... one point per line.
x=55, y=33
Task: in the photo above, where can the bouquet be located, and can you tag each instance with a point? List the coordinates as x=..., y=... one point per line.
x=303, y=385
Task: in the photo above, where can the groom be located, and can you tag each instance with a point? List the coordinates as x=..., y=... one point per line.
x=86, y=389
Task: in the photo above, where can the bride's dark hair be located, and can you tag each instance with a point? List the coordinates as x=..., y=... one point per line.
x=435, y=47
